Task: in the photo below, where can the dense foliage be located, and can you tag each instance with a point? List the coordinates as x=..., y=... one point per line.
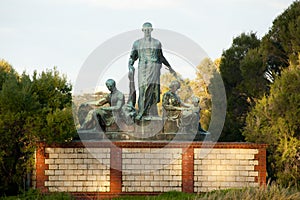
x=282, y=44
x=275, y=120
x=235, y=74
x=32, y=109
x=261, y=78
x=263, y=97
x=250, y=65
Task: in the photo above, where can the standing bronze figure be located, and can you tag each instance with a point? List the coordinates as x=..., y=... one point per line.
x=148, y=51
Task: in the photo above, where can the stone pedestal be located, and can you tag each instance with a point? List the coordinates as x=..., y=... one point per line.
x=113, y=128
x=170, y=126
x=91, y=135
x=147, y=128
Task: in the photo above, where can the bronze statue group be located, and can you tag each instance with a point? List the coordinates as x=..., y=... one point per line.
x=184, y=117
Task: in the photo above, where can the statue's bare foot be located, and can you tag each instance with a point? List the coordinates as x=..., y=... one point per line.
x=138, y=117
x=204, y=132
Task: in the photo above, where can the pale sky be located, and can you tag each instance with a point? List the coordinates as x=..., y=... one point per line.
x=40, y=34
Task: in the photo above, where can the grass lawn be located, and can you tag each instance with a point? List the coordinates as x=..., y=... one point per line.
x=273, y=192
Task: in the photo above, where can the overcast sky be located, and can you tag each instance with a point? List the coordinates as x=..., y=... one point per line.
x=40, y=34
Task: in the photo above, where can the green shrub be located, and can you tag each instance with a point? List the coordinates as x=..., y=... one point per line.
x=275, y=120
x=273, y=192
x=36, y=195
x=32, y=108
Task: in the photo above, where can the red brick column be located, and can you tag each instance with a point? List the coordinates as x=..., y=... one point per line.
x=262, y=166
x=188, y=170
x=41, y=167
x=115, y=170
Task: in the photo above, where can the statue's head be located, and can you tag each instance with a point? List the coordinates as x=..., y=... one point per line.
x=195, y=100
x=174, y=85
x=110, y=84
x=147, y=26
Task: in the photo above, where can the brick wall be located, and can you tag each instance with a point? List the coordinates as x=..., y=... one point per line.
x=106, y=169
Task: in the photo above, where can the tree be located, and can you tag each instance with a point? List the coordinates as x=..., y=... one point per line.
x=200, y=87
x=5, y=70
x=275, y=120
x=31, y=109
x=232, y=74
x=282, y=43
x=254, y=84
x=54, y=120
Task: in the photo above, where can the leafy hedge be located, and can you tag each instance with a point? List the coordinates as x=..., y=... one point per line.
x=32, y=108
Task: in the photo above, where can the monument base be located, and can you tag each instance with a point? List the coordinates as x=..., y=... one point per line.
x=147, y=129
x=170, y=126
x=149, y=125
x=145, y=167
x=120, y=136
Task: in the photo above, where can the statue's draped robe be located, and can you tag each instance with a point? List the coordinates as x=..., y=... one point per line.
x=150, y=56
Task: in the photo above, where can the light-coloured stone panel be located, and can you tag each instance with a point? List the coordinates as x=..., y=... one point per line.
x=151, y=170
x=224, y=168
x=78, y=169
